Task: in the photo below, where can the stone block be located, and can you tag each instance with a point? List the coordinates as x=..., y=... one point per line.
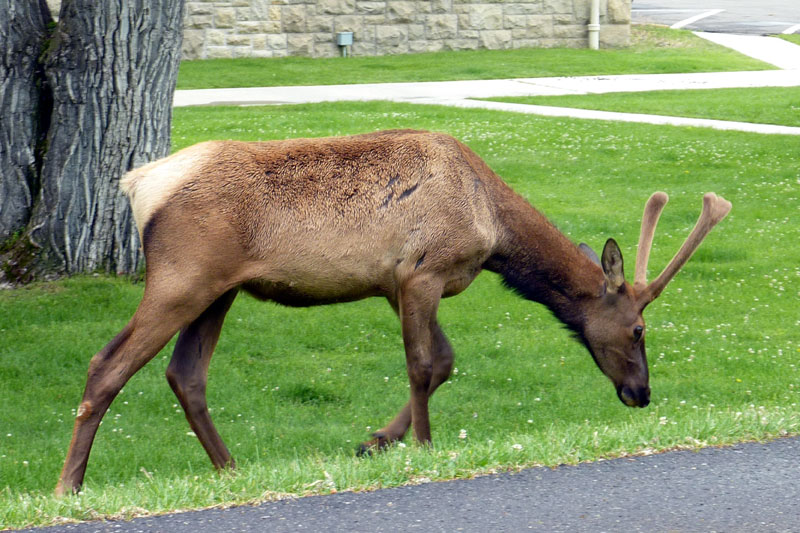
x=224, y=17
x=193, y=44
x=439, y=6
x=482, y=17
x=460, y=44
x=320, y=23
x=249, y=26
x=235, y=39
x=350, y=23
x=511, y=22
x=571, y=31
x=619, y=12
x=557, y=6
x=551, y=43
x=416, y=32
x=401, y=48
x=390, y=36
x=496, y=39
x=363, y=48
x=276, y=41
x=258, y=41
x=293, y=19
x=199, y=8
x=259, y=8
x=520, y=8
x=216, y=37
x=197, y=22
x=563, y=19
x=323, y=37
x=537, y=28
x=217, y=52
x=241, y=51
x=526, y=43
x=371, y=8
x=441, y=26
x=326, y=50
x=299, y=44
x=418, y=47
x=335, y=7
x=401, y=11
x=615, y=35
x=372, y=20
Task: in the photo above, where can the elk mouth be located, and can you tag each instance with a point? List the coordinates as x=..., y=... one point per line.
x=639, y=397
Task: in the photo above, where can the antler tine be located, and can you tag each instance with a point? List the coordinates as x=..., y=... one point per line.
x=652, y=210
x=715, y=208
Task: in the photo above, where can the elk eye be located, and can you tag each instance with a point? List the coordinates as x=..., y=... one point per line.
x=637, y=333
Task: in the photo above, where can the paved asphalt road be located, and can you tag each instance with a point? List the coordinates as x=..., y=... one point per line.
x=763, y=17
x=745, y=488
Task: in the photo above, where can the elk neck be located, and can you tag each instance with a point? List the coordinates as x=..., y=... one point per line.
x=540, y=263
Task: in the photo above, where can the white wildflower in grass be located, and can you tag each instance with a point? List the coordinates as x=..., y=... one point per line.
x=462, y=434
x=401, y=444
x=516, y=447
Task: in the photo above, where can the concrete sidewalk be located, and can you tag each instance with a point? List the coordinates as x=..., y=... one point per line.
x=464, y=93
x=772, y=50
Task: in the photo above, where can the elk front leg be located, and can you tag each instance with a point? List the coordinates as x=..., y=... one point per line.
x=417, y=303
x=187, y=374
x=397, y=428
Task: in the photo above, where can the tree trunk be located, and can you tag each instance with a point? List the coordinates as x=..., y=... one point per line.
x=23, y=30
x=111, y=67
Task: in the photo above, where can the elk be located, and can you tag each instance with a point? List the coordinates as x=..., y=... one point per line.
x=412, y=216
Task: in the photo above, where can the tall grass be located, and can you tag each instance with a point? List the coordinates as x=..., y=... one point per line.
x=293, y=391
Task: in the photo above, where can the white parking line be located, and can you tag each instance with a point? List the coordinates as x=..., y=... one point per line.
x=686, y=22
x=791, y=29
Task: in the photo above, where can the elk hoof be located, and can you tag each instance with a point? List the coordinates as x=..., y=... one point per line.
x=63, y=490
x=380, y=442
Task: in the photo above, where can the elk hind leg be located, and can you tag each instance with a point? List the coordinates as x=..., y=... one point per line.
x=187, y=374
x=151, y=327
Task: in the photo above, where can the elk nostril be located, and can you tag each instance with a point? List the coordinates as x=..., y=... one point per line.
x=626, y=396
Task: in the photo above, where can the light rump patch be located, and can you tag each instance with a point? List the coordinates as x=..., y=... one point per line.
x=149, y=187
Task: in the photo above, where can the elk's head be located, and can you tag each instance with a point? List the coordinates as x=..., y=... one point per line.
x=614, y=330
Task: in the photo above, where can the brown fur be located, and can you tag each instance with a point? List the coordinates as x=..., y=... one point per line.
x=411, y=216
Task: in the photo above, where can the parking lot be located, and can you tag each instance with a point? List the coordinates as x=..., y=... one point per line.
x=766, y=17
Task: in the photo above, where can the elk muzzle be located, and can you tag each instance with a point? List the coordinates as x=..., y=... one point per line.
x=634, y=396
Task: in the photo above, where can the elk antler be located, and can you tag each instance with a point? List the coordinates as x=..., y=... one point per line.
x=652, y=210
x=715, y=208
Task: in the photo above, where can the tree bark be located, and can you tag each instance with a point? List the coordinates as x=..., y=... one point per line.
x=23, y=30
x=111, y=67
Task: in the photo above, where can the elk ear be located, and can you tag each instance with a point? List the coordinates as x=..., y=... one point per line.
x=589, y=253
x=612, y=265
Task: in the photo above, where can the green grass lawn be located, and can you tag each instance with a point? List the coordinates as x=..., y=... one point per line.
x=654, y=50
x=768, y=105
x=794, y=38
x=293, y=391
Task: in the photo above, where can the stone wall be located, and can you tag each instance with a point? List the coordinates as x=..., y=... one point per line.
x=275, y=28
